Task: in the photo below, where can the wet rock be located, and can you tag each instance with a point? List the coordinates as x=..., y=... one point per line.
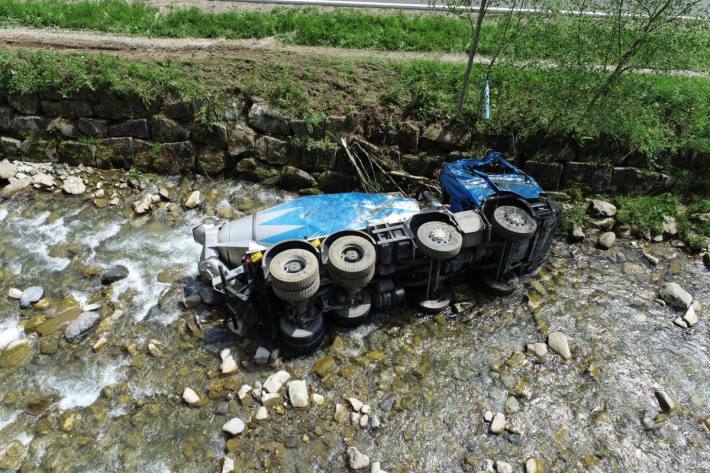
x=670, y=227
x=324, y=365
x=317, y=399
x=665, y=401
x=538, y=350
x=576, y=233
x=488, y=416
x=14, y=293
x=229, y=364
x=261, y=357
x=356, y=459
x=533, y=465
x=558, y=343
x=607, y=240
x=341, y=413
x=16, y=354
x=680, y=322
x=261, y=413
x=143, y=204
x=675, y=295
x=690, y=316
x=298, y=393
x=12, y=455
x=293, y=179
x=275, y=382
x=227, y=465
x=503, y=467
x=193, y=200
x=602, y=208
x=376, y=468
x=190, y=396
x=15, y=187
x=243, y=392
x=234, y=427
x=99, y=344
x=268, y=121
x=114, y=273
x=166, y=130
x=74, y=185
x=154, y=350
x=43, y=180
x=30, y=295
x=271, y=399
x=511, y=405
x=651, y=259
x=7, y=169
x=81, y=324
x=498, y=423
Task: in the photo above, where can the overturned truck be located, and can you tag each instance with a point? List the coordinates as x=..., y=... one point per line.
x=339, y=257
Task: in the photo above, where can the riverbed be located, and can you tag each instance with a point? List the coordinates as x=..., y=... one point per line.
x=428, y=380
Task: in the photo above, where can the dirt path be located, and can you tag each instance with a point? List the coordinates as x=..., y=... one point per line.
x=150, y=48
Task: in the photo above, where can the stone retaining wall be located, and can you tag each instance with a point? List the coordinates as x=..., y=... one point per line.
x=252, y=141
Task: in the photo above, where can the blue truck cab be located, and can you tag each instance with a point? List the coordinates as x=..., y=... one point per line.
x=337, y=258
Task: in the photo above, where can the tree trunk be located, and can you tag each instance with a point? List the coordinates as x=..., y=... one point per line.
x=471, y=53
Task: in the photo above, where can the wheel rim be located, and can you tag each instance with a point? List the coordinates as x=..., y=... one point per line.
x=351, y=254
x=439, y=236
x=294, y=265
x=515, y=218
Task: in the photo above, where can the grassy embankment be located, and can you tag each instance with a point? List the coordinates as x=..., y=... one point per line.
x=646, y=111
x=685, y=47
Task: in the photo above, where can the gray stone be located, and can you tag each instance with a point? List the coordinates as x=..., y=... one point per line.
x=576, y=233
x=35, y=150
x=114, y=273
x=498, y=423
x=30, y=295
x=558, y=343
x=294, y=179
x=44, y=180
x=538, y=350
x=265, y=120
x=6, y=116
x=675, y=295
x=503, y=467
x=447, y=138
x=272, y=150
x=62, y=127
x=193, y=200
x=250, y=168
x=15, y=187
x=548, y=175
x=119, y=153
x=298, y=393
x=212, y=134
x=356, y=459
x=628, y=179
x=76, y=152
x=7, y=169
x=81, y=324
x=602, y=208
x=690, y=317
x=670, y=227
x=233, y=110
x=27, y=104
x=133, y=128
x=665, y=401
x=179, y=109
x=261, y=357
x=607, y=240
x=73, y=185
x=10, y=147
x=167, y=130
x=512, y=405
x=592, y=176
x=240, y=141
x=174, y=158
x=210, y=161
x=92, y=127
x=28, y=125
x=66, y=108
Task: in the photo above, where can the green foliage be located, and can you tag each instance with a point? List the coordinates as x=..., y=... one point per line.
x=556, y=38
x=645, y=213
x=28, y=72
x=576, y=213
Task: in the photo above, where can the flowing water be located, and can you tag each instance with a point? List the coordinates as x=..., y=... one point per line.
x=428, y=379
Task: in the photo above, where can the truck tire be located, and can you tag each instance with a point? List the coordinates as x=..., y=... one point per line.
x=439, y=240
x=351, y=261
x=513, y=223
x=297, y=295
x=301, y=338
x=354, y=314
x=294, y=270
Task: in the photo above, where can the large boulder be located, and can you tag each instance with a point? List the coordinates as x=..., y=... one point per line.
x=134, y=128
x=10, y=147
x=212, y=134
x=606, y=240
x=28, y=125
x=240, y=141
x=93, y=127
x=592, y=176
x=174, y=158
x=7, y=170
x=15, y=187
x=253, y=170
x=446, y=138
x=114, y=273
x=81, y=324
x=66, y=108
x=6, y=116
x=675, y=295
x=17, y=353
x=24, y=103
x=602, y=208
x=294, y=179
x=38, y=151
x=62, y=127
x=266, y=120
x=272, y=150
x=548, y=175
x=167, y=130
x=211, y=161
x=74, y=185
x=118, y=153
x=77, y=152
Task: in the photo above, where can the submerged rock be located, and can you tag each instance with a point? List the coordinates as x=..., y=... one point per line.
x=356, y=459
x=234, y=427
x=558, y=343
x=675, y=295
x=12, y=455
x=30, y=296
x=190, y=396
x=665, y=401
x=114, y=273
x=80, y=325
x=16, y=354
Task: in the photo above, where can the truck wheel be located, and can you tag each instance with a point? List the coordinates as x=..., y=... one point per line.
x=513, y=223
x=351, y=261
x=439, y=240
x=301, y=338
x=294, y=270
x=501, y=288
x=354, y=314
x=297, y=295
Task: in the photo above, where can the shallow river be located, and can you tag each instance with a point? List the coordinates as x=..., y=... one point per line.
x=428, y=380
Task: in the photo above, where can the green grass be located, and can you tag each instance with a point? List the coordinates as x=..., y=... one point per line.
x=686, y=46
